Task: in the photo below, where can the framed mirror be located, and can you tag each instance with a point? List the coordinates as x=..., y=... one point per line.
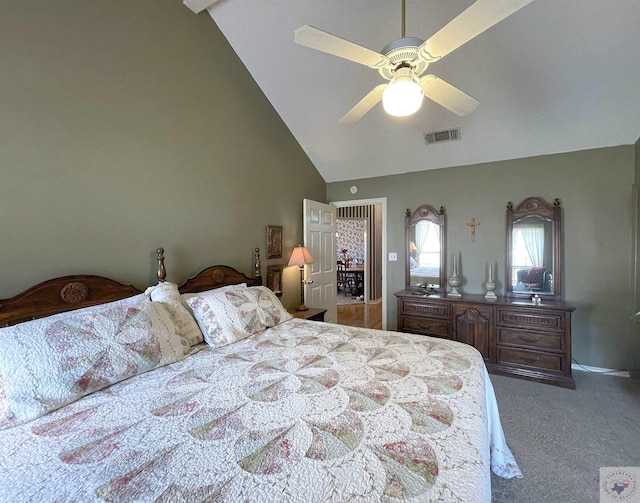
x=424, y=249
x=533, y=249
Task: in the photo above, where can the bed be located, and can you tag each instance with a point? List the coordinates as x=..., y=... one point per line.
x=295, y=411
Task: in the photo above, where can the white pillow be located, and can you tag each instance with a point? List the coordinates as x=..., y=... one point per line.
x=50, y=362
x=226, y=315
x=168, y=294
x=272, y=312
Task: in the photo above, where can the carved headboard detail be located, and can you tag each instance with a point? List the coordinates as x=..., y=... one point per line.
x=60, y=295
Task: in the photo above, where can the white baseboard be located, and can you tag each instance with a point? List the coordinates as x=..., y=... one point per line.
x=600, y=370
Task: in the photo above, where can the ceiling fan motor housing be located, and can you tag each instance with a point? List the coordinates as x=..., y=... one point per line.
x=403, y=50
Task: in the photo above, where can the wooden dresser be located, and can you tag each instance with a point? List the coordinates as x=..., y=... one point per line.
x=515, y=337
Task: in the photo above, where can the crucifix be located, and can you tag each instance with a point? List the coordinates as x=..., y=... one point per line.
x=473, y=224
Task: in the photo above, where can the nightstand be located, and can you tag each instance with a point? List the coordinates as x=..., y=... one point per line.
x=313, y=313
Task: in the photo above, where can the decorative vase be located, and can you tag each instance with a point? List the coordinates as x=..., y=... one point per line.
x=490, y=285
x=454, y=280
x=454, y=283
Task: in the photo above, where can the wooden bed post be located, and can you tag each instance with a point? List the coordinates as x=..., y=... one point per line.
x=162, y=272
x=257, y=265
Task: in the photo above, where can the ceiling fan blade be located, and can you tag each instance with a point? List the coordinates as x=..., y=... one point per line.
x=447, y=95
x=198, y=6
x=478, y=17
x=336, y=46
x=364, y=105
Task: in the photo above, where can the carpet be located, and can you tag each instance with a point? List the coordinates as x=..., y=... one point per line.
x=560, y=438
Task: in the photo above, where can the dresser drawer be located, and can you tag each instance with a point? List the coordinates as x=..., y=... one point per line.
x=530, y=359
x=427, y=326
x=430, y=310
x=530, y=318
x=528, y=339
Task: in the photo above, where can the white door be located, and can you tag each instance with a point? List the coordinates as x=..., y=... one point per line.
x=320, y=240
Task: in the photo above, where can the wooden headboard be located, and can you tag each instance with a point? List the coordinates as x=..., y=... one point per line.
x=60, y=295
x=218, y=276
x=67, y=293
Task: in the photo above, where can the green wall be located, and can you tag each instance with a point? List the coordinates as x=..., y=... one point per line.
x=131, y=125
x=595, y=188
x=636, y=258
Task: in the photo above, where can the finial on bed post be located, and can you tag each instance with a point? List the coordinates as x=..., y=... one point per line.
x=257, y=265
x=162, y=272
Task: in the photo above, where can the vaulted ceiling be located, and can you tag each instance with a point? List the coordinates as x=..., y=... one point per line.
x=556, y=76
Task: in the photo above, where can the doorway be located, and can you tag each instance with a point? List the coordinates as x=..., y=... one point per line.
x=351, y=252
x=371, y=214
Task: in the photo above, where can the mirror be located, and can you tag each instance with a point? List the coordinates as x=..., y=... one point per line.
x=533, y=248
x=424, y=249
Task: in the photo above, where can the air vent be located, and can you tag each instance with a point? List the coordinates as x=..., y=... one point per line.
x=440, y=136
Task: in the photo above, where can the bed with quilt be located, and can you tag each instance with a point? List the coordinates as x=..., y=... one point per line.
x=212, y=392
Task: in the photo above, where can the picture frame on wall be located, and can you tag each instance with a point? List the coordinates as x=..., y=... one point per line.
x=274, y=279
x=274, y=241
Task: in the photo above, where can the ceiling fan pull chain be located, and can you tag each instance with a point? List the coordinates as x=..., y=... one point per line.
x=404, y=18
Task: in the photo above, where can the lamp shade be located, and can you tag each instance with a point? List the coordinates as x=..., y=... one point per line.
x=403, y=96
x=300, y=256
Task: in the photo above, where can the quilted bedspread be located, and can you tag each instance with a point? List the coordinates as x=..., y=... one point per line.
x=301, y=412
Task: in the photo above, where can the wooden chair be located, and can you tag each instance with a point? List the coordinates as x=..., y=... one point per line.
x=344, y=280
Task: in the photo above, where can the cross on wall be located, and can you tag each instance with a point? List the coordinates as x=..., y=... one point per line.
x=473, y=224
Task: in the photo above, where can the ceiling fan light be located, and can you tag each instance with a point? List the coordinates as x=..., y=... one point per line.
x=403, y=96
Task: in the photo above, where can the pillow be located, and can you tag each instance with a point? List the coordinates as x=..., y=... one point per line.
x=186, y=296
x=127, y=301
x=226, y=315
x=50, y=362
x=272, y=312
x=168, y=294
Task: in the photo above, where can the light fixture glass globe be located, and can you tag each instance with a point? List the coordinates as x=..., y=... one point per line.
x=403, y=96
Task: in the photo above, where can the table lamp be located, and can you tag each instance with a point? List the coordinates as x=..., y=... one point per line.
x=300, y=257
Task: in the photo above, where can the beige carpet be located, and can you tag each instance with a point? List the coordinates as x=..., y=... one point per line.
x=560, y=438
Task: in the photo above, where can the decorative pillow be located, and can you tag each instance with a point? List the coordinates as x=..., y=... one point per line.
x=50, y=362
x=227, y=315
x=168, y=294
x=272, y=312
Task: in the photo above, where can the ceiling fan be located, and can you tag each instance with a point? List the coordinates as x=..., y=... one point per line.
x=404, y=61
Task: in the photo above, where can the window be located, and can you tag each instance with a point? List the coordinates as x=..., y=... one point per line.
x=528, y=248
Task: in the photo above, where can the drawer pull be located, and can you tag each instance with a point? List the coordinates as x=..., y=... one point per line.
x=528, y=340
x=425, y=327
x=531, y=361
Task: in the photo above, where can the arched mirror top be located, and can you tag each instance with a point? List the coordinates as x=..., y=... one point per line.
x=424, y=249
x=533, y=248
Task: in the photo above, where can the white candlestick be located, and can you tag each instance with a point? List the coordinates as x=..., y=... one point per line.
x=490, y=272
x=455, y=265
